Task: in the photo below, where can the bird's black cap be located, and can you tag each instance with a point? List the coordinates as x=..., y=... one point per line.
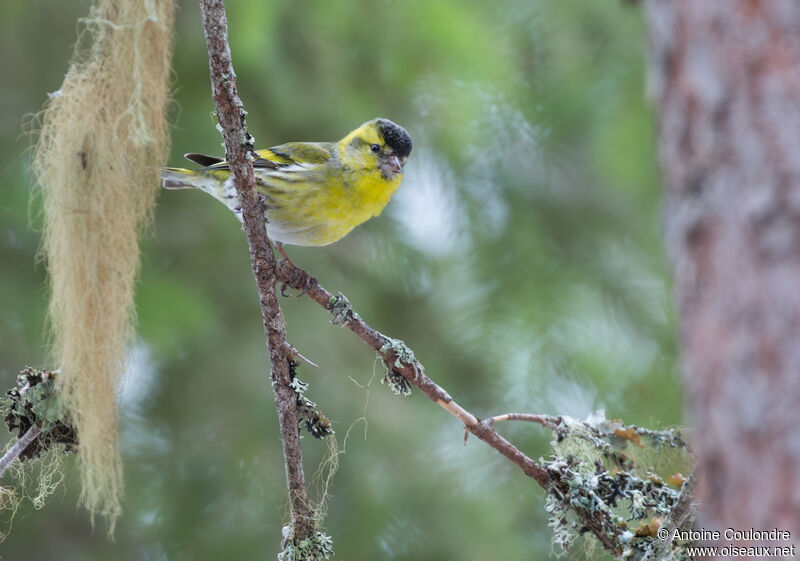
x=395, y=137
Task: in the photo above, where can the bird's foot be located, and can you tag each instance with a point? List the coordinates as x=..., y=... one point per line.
x=299, y=280
x=296, y=277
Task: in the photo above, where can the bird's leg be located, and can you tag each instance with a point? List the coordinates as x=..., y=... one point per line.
x=279, y=247
x=298, y=278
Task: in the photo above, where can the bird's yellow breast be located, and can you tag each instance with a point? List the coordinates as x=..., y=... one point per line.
x=320, y=213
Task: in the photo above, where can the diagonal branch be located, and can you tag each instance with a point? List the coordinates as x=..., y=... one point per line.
x=18, y=448
x=239, y=146
x=400, y=361
x=566, y=488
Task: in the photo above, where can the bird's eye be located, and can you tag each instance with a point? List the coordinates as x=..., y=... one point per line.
x=375, y=148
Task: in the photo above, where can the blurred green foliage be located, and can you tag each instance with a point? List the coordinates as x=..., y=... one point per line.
x=521, y=260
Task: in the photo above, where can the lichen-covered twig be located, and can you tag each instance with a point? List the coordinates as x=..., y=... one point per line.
x=33, y=403
x=675, y=519
x=18, y=448
x=32, y=410
x=547, y=421
x=402, y=367
x=239, y=147
x=580, y=497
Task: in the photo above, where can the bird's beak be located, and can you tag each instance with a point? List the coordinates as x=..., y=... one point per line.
x=390, y=165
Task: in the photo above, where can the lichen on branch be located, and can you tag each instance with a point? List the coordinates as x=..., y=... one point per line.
x=103, y=138
x=595, y=480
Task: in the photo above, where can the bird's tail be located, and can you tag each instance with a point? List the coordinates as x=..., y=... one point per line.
x=179, y=178
x=213, y=183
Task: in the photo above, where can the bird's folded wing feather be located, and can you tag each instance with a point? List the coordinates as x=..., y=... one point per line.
x=299, y=153
x=202, y=159
x=278, y=156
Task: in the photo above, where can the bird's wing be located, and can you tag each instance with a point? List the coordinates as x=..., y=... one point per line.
x=273, y=158
x=299, y=153
x=213, y=163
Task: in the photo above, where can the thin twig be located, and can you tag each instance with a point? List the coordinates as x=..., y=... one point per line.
x=18, y=448
x=400, y=360
x=239, y=147
x=548, y=421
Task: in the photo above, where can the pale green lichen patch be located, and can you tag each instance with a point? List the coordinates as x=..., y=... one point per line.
x=403, y=358
x=342, y=310
x=33, y=402
x=600, y=486
x=564, y=526
x=314, y=421
x=317, y=548
x=396, y=382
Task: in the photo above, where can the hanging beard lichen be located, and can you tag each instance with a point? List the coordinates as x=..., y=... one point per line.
x=102, y=142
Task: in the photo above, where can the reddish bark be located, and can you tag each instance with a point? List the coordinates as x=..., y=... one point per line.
x=726, y=78
x=238, y=145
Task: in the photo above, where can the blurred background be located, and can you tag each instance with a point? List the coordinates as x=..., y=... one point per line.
x=521, y=260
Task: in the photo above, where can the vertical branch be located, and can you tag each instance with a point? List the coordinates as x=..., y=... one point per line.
x=239, y=145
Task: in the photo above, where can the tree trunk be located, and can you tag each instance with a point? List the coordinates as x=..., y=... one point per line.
x=726, y=79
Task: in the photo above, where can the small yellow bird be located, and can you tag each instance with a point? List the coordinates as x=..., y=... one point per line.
x=315, y=192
